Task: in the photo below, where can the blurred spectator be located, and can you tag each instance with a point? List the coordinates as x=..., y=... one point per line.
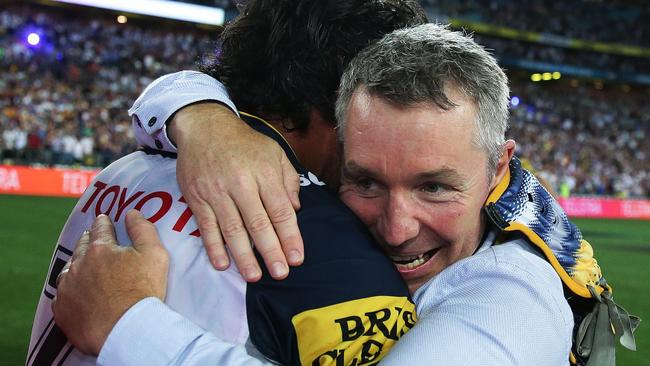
x=14, y=140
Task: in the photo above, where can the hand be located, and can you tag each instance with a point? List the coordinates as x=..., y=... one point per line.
x=103, y=280
x=237, y=181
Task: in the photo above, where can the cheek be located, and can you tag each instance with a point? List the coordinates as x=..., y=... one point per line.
x=453, y=224
x=363, y=208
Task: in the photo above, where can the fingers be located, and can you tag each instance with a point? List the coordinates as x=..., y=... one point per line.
x=242, y=189
x=102, y=231
x=291, y=181
x=143, y=233
x=79, y=252
x=61, y=274
x=210, y=233
x=82, y=246
x=285, y=224
x=235, y=234
x=249, y=212
x=262, y=231
x=154, y=256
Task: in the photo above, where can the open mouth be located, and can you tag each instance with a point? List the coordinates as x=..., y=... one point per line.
x=410, y=263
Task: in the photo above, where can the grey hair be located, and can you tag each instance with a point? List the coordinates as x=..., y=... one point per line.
x=414, y=65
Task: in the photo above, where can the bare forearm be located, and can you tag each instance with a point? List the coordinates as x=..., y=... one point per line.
x=203, y=117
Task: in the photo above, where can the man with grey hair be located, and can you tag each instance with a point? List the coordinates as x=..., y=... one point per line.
x=482, y=247
x=424, y=110
x=396, y=74
x=423, y=114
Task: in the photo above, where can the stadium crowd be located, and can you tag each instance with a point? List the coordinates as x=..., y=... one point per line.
x=603, y=21
x=604, y=62
x=583, y=140
x=64, y=101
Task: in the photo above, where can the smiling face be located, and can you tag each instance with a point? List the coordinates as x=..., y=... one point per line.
x=416, y=180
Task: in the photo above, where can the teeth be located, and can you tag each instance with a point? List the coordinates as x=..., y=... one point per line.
x=406, y=259
x=412, y=262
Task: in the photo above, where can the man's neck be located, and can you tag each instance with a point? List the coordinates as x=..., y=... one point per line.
x=316, y=147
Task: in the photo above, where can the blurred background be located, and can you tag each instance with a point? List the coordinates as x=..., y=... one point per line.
x=69, y=70
x=579, y=71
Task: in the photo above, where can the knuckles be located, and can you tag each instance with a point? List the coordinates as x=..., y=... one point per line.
x=207, y=224
x=160, y=256
x=259, y=223
x=282, y=215
x=97, y=248
x=232, y=229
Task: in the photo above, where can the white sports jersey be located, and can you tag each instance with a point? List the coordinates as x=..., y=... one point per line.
x=346, y=302
x=147, y=183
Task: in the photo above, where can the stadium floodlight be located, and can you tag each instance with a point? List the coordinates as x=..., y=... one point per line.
x=514, y=101
x=547, y=76
x=556, y=75
x=122, y=19
x=536, y=77
x=33, y=39
x=160, y=8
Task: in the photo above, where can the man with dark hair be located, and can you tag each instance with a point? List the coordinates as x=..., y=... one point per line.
x=345, y=304
x=281, y=60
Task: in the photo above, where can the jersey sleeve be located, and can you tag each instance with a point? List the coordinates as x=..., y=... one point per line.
x=164, y=97
x=346, y=304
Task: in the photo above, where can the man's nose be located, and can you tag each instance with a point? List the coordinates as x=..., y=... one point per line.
x=399, y=222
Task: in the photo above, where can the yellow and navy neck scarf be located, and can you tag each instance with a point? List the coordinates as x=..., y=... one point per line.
x=521, y=204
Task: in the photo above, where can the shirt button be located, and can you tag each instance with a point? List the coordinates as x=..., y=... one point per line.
x=152, y=121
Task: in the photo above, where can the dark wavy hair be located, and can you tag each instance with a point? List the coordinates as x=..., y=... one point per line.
x=281, y=58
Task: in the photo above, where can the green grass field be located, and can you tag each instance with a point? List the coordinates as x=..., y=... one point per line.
x=29, y=227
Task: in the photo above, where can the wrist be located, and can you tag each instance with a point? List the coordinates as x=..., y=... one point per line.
x=189, y=120
x=120, y=308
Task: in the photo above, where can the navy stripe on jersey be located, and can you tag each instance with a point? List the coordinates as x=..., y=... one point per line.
x=51, y=348
x=40, y=338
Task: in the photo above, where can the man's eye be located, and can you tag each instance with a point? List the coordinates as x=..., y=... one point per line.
x=365, y=184
x=431, y=188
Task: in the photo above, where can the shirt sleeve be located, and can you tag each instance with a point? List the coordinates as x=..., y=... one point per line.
x=150, y=333
x=164, y=97
x=487, y=313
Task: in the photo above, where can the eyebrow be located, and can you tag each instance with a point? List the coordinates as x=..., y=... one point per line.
x=353, y=168
x=445, y=173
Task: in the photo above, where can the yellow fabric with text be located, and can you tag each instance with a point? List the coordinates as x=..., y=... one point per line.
x=356, y=332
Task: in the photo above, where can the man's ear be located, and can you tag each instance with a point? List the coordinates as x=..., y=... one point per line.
x=507, y=152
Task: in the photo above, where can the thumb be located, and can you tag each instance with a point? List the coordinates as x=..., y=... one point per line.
x=291, y=181
x=102, y=231
x=143, y=233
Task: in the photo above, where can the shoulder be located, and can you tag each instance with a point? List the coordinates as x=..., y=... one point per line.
x=499, y=297
x=345, y=297
x=330, y=229
x=140, y=162
x=511, y=269
x=339, y=250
